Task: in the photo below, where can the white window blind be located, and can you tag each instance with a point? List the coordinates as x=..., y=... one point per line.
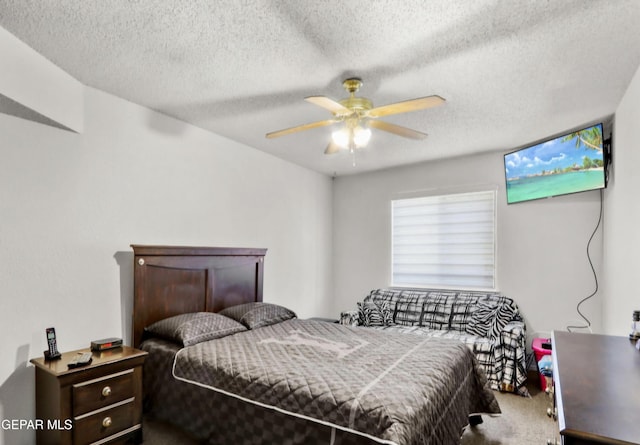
x=444, y=241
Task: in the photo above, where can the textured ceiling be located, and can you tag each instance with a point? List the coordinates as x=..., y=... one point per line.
x=512, y=72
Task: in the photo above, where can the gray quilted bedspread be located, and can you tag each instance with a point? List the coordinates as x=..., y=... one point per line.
x=392, y=388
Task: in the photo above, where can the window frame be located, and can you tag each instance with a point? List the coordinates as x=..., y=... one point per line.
x=480, y=190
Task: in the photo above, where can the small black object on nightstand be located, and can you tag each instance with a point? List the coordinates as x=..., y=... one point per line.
x=52, y=353
x=81, y=359
x=106, y=343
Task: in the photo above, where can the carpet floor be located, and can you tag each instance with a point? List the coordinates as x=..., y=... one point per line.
x=523, y=421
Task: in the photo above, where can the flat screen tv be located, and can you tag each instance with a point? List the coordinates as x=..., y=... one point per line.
x=571, y=163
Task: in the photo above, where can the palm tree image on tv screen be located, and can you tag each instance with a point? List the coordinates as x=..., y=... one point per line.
x=567, y=164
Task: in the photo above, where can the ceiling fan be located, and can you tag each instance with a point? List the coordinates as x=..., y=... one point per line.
x=359, y=115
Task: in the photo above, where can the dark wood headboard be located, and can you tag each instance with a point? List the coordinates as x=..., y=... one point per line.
x=172, y=280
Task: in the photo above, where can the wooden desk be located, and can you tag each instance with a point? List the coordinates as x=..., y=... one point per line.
x=597, y=389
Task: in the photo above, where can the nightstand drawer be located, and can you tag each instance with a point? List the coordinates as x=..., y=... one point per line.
x=101, y=424
x=101, y=392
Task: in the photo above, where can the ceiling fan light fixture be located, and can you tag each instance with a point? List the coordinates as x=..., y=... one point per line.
x=341, y=137
x=349, y=138
x=358, y=115
x=361, y=136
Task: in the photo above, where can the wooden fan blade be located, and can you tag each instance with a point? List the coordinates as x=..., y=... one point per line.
x=408, y=105
x=275, y=134
x=332, y=148
x=397, y=129
x=329, y=104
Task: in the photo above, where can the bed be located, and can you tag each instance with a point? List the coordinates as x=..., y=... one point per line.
x=278, y=379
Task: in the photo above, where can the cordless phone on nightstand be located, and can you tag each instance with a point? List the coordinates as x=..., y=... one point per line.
x=51, y=353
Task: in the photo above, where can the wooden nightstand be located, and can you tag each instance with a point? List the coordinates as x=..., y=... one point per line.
x=100, y=403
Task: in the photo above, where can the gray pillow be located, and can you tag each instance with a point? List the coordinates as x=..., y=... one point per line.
x=195, y=327
x=258, y=314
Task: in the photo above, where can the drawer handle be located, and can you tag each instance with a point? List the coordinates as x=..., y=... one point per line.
x=106, y=391
x=106, y=422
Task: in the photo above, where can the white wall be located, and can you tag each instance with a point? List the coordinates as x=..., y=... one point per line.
x=71, y=205
x=622, y=234
x=542, y=260
x=36, y=87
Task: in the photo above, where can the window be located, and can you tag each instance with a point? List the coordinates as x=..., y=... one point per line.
x=444, y=241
